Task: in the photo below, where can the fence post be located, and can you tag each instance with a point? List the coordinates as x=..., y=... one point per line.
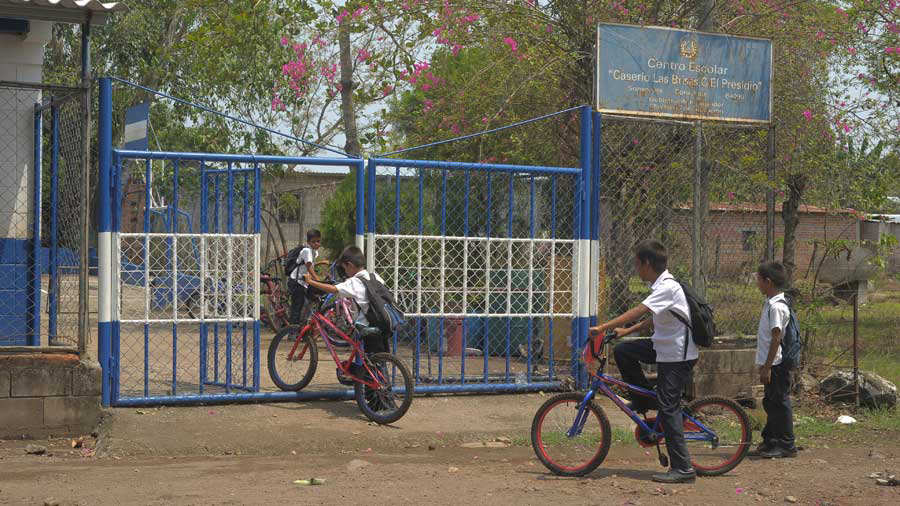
x=34, y=336
x=85, y=349
x=770, y=196
x=53, y=285
x=697, y=226
x=582, y=295
x=360, y=205
x=104, y=239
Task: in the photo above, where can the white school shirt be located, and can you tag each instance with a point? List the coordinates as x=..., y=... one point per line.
x=306, y=255
x=774, y=316
x=668, y=331
x=354, y=288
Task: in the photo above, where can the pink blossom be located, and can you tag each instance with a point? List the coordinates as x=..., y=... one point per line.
x=730, y=195
x=820, y=35
x=363, y=55
x=846, y=127
x=455, y=49
x=852, y=51
x=455, y=129
x=807, y=114
x=549, y=28
x=484, y=119
x=426, y=87
x=284, y=41
x=387, y=90
x=511, y=42
x=890, y=50
x=358, y=12
x=428, y=106
x=340, y=17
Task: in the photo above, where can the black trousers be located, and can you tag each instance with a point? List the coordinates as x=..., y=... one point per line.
x=298, y=300
x=671, y=380
x=779, y=429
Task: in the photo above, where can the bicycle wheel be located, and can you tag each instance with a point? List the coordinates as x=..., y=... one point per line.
x=292, y=358
x=387, y=404
x=716, y=454
x=567, y=455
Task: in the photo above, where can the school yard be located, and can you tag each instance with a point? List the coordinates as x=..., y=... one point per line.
x=252, y=454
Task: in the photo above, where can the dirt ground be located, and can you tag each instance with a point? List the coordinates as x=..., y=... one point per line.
x=251, y=454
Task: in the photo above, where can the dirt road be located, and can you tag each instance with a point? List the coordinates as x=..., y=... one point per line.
x=252, y=454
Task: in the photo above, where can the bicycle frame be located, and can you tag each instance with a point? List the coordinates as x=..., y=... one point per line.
x=318, y=322
x=601, y=382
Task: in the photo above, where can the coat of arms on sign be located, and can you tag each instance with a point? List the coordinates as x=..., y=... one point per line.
x=688, y=49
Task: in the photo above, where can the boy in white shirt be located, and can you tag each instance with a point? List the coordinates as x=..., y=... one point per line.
x=305, y=265
x=353, y=261
x=670, y=348
x=774, y=373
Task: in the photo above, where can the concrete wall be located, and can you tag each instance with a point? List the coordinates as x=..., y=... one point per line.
x=43, y=394
x=872, y=231
x=20, y=60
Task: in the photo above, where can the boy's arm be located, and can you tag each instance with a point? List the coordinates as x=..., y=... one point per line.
x=640, y=327
x=311, y=270
x=765, y=371
x=325, y=287
x=629, y=316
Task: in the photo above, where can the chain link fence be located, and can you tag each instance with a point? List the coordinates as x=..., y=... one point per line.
x=44, y=262
x=481, y=258
x=700, y=189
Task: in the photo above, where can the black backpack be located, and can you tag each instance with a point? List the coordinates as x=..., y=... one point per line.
x=290, y=260
x=791, y=346
x=702, y=327
x=383, y=312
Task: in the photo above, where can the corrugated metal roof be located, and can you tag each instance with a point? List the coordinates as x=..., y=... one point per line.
x=63, y=11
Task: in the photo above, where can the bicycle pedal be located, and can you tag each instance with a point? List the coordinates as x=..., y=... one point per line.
x=664, y=461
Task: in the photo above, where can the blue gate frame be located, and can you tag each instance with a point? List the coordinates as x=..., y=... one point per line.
x=582, y=244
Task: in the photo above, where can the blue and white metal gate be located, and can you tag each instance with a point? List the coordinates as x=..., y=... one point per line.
x=490, y=263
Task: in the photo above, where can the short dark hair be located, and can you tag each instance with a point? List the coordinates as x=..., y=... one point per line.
x=774, y=272
x=313, y=234
x=353, y=255
x=654, y=253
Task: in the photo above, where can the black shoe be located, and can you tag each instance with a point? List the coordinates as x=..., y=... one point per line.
x=674, y=476
x=777, y=453
x=763, y=447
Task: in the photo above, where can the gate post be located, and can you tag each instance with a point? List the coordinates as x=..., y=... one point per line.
x=596, y=170
x=360, y=205
x=370, y=212
x=104, y=240
x=582, y=292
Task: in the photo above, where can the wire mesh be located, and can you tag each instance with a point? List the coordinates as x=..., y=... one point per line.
x=481, y=259
x=40, y=282
x=654, y=173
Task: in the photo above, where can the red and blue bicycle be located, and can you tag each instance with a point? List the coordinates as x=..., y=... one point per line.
x=571, y=435
x=383, y=385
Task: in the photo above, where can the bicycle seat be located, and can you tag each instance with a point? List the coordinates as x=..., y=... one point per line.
x=366, y=331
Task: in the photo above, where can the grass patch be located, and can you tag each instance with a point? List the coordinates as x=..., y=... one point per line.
x=810, y=429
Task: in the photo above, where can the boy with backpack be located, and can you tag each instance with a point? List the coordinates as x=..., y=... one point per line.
x=298, y=263
x=777, y=348
x=670, y=348
x=359, y=286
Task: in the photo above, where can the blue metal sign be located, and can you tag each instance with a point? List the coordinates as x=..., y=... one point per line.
x=653, y=71
x=136, y=120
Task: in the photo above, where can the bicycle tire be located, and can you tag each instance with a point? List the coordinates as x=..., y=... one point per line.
x=538, y=435
x=742, y=445
x=366, y=396
x=273, y=321
x=306, y=341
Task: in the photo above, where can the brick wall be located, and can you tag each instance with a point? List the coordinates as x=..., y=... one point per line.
x=735, y=240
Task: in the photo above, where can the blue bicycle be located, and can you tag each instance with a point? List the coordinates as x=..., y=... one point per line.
x=571, y=435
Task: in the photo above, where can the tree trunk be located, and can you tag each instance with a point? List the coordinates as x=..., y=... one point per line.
x=796, y=184
x=348, y=111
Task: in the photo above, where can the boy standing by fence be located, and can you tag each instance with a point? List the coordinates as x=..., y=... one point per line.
x=670, y=348
x=774, y=370
x=304, y=264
